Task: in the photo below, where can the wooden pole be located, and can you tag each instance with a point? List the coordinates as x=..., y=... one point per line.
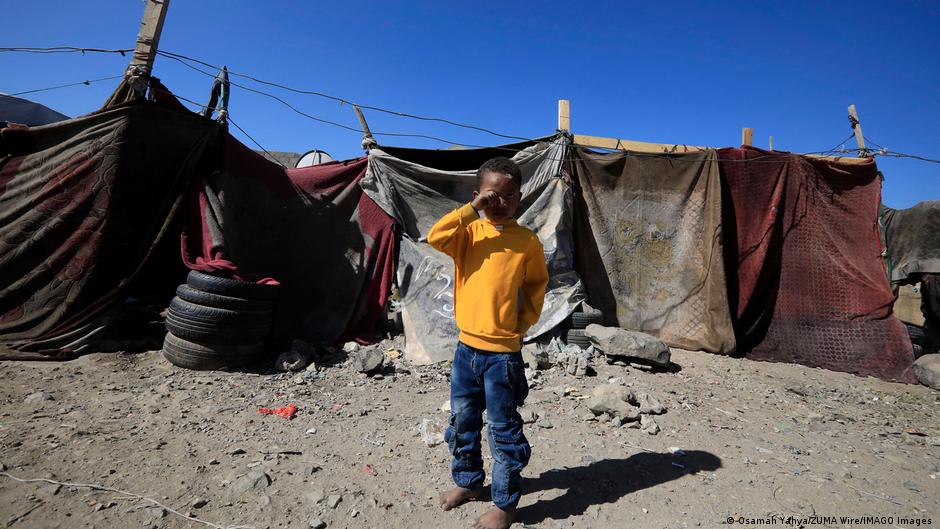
x=564, y=115
x=857, y=127
x=148, y=39
x=367, y=140
x=747, y=136
x=771, y=141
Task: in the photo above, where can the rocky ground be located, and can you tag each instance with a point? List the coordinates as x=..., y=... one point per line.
x=738, y=439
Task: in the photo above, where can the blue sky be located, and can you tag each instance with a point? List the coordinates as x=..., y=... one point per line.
x=684, y=72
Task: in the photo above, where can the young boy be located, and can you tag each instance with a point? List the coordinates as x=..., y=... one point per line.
x=499, y=286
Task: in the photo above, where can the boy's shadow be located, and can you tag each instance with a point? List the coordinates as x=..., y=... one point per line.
x=607, y=481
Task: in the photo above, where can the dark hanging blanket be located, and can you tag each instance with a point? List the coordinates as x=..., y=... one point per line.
x=329, y=245
x=912, y=240
x=806, y=280
x=83, y=204
x=648, y=245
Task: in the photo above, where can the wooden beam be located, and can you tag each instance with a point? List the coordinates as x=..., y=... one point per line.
x=367, y=140
x=148, y=38
x=857, y=127
x=564, y=115
x=630, y=145
x=771, y=141
x=747, y=136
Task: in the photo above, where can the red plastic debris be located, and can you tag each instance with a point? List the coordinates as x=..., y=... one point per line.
x=368, y=469
x=287, y=412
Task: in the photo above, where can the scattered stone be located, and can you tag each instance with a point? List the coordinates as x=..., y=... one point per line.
x=238, y=452
x=333, y=500
x=299, y=380
x=199, y=503
x=254, y=481
x=932, y=441
x=316, y=523
x=617, y=381
x=926, y=369
x=214, y=461
x=641, y=367
x=529, y=416
x=544, y=423
x=648, y=404
x=311, y=372
x=432, y=432
x=350, y=347
x=3, y=467
x=648, y=425
x=446, y=406
x=310, y=431
x=38, y=398
x=536, y=356
x=612, y=400
x=613, y=341
x=290, y=361
x=367, y=360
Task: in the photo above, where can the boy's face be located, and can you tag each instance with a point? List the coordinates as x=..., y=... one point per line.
x=504, y=186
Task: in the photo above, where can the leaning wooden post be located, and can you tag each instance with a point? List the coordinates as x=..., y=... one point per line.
x=857, y=127
x=747, y=136
x=367, y=140
x=151, y=25
x=564, y=115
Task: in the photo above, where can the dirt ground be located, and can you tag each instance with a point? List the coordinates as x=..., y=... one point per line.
x=760, y=440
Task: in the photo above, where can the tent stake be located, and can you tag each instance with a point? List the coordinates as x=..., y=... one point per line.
x=148, y=38
x=857, y=127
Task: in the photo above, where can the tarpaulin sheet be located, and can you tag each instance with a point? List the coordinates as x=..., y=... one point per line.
x=83, y=203
x=648, y=236
x=912, y=240
x=329, y=245
x=806, y=279
x=418, y=187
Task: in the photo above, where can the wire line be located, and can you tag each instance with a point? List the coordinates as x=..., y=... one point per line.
x=87, y=82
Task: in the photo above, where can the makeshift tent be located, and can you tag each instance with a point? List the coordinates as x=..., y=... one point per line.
x=25, y=112
x=648, y=244
x=912, y=240
x=806, y=280
x=417, y=187
x=83, y=203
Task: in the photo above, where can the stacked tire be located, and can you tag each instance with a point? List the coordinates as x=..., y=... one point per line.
x=579, y=320
x=215, y=322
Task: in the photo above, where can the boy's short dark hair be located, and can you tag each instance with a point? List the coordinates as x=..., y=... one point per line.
x=501, y=165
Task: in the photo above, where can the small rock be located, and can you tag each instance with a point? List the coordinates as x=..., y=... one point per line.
x=199, y=503
x=536, y=357
x=529, y=416
x=38, y=398
x=368, y=360
x=350, y=347
x=613, y=341
x=238, y=451
x=648, y=425
x=649, y=404
x=446, y=406
x=316, y=523
x=3, y=467
x=932, y=441
x=612, y=400
x=299, y=380
x=617, y=381
x=432, y=432
x=544, y=423
x=310, y=431
x=290, y=361
x=926, y=369
x=333, y=500
x=254, y=481
x=214, y=461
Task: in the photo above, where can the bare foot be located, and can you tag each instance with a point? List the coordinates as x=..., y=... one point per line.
x=496, y=518
x=457, y=496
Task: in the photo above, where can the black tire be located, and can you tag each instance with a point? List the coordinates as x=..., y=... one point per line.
x=191, y=355
x=221, y=333
x=231, y=287
x=186, y=310
x=577, y=337
x=580, y=320
x=208, y=299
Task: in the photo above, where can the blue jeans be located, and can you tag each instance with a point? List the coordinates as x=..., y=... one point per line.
x=495, y=382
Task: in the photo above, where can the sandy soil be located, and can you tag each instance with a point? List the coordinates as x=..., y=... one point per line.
x=759, y=439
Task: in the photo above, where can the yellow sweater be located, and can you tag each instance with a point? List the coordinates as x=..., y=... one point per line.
x=498, y=267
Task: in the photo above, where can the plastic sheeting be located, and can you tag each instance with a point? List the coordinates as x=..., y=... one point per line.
x=419, y=190
x=649, y=245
